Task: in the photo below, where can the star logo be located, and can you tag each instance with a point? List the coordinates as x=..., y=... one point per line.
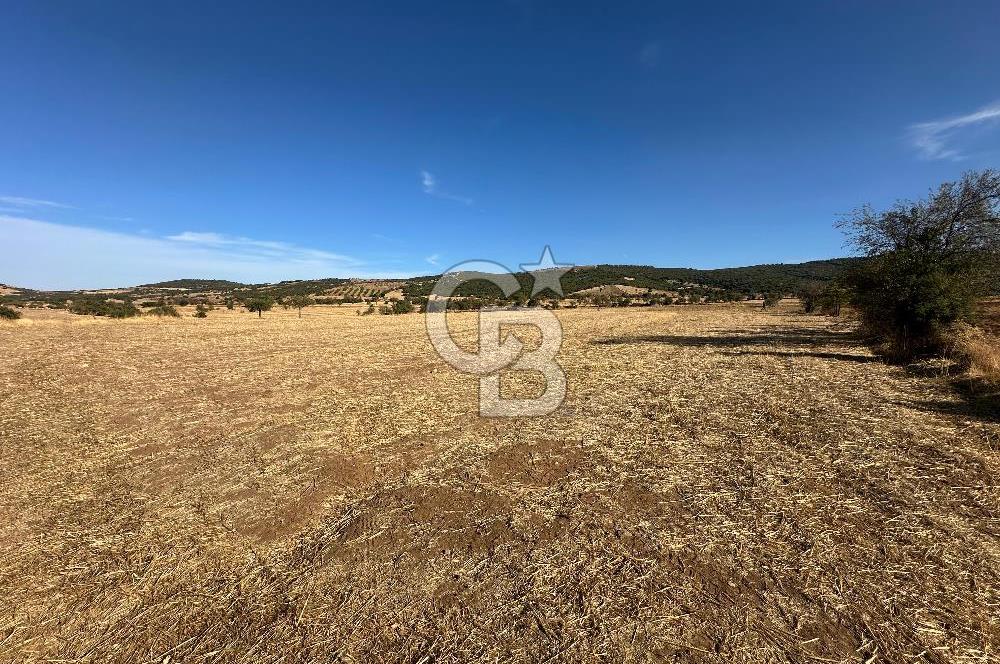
x=546, y=273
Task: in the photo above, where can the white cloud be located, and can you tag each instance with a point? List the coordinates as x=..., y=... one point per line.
x=433, y=259
x=22, y=202
x=430, y=187
x=649, y=54
x=428, y=181
x=935, y=140
x=40, y=254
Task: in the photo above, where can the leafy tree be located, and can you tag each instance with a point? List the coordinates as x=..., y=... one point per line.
x=928, y=262
x=809, y=294
x=831, y=298
x=601, y=300
x=229, y=303
x=259, y=304
x=201, y=311
x=9, y=313
x=299, y=302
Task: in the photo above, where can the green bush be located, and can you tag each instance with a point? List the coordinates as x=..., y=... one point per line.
x=88, y=307
x=397, y=307
x=164, y=310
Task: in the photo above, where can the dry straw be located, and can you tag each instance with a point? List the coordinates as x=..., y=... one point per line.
x=722, y=484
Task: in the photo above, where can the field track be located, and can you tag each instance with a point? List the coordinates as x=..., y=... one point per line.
x=722, y=484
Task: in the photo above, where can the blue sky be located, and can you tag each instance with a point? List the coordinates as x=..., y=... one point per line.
x=266, y=141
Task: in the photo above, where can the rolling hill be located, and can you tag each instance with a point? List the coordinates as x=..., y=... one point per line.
x=753, y=279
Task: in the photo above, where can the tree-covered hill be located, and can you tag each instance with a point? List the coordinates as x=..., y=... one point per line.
x=784, y=278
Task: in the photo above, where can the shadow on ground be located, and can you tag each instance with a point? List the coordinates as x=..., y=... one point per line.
x=979, y=401
x=793, y=337
x=844, y=357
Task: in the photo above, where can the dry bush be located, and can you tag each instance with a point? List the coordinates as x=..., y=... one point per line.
x=977, y=352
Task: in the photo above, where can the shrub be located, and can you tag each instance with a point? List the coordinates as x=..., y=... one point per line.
x=397, y=307
x=103, y=308
x=770, y=300
x=201, y=311
x=9, y=313
x=164, y=310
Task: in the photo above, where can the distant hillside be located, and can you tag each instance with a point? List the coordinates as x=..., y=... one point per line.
x=778, y=277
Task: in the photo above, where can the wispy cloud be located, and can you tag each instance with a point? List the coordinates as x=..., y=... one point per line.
x=936, y=139
x=649, y=54
x=430, y=187
x=262, y=248
x=40, y=254
x=433, y=259
x=22, y=202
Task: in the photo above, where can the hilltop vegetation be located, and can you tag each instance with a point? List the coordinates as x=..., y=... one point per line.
x=739, y=282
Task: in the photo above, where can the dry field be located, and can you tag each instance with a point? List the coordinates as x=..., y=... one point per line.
x=722, y=484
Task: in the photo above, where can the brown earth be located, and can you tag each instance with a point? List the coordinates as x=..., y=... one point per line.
x=722, y=484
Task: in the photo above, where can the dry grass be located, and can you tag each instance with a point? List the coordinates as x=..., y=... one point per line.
x=722, y=484
x=978, y=352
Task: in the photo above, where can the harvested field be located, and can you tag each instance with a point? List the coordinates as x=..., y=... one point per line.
x=722, y=484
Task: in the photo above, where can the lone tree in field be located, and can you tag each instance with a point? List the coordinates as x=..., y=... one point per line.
x=299, y=302
x=770, y=300
x=928, y=262
x=259, y=304
x=9, y=313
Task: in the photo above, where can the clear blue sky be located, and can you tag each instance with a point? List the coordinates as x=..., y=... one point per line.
x=287, y=140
